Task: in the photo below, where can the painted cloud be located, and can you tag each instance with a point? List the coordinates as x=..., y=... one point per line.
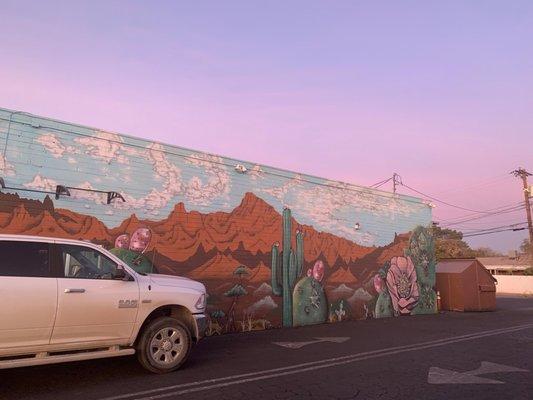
x=41, y=183
x=327, y=204
x=212, y=182
x=105, y=146
x=54, y=146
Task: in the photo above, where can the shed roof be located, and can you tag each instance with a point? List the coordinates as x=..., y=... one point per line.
x=455, y=266
x=506, y=262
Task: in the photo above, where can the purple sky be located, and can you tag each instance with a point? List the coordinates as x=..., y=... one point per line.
x=440, y=92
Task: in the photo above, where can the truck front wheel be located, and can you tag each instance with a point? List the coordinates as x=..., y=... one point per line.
x=164, y=345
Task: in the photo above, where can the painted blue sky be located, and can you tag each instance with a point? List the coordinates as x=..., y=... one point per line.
x=153, y=178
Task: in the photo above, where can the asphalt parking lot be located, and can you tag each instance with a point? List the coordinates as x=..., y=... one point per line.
x=445, y=356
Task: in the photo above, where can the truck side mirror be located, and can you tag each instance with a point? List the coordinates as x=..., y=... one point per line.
x=121, y=274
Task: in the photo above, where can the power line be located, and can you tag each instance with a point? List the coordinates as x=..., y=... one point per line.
x=500, y=212
x=469, y=215
x=502, y=230
x=471, y=231
x=442, y=201
x=481, y=184
x=381, y=183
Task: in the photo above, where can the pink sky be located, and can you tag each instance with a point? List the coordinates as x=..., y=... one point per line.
x=440, y=93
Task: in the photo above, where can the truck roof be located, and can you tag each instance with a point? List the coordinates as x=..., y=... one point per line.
x=47, y=239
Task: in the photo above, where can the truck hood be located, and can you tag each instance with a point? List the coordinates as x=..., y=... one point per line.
x=176, y=281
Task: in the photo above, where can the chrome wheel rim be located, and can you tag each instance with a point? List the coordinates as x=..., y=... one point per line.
x=166, y=346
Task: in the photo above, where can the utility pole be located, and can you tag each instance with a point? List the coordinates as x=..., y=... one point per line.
x=396, y=180
x=522, y=173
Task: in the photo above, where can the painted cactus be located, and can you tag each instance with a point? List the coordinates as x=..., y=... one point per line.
x=383, y=307
x=421, y=250
x=309, y=302
x=139, y=262
x=291, y=267
x=131, y=249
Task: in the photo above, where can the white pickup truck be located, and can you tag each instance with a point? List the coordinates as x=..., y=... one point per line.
x=68, y=300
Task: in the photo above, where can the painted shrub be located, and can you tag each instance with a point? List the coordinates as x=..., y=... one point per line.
x=274, y=248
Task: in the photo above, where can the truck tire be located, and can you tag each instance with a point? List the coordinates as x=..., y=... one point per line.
x=164, y=345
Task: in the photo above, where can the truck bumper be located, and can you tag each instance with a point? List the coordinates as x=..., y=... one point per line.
x=200, y=322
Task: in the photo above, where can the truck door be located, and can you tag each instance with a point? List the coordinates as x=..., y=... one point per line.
x=28, y=295
x=92, y=304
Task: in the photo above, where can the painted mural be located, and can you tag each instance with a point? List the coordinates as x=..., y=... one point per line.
x=274, y=248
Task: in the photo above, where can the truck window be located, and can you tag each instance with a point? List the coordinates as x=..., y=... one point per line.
x=85, y=263
x=25, y=259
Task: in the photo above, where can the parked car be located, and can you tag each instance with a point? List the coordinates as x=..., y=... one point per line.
x=68, y=300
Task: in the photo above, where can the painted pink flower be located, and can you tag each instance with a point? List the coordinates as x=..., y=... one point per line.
x=379, y=284
x=122, y=241
x=140, y=239
x=318, y=270
x=401, y=282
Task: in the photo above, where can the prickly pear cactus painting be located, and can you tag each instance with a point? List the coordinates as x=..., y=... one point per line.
x=405, y=285
x=309, y=299
x=131, y=250
x=309, y=302
x=383, y=307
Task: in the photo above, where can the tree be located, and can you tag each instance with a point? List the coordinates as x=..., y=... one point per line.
x=525, y=247
x=235, y=292
x=241, y=271
x=450, y=244
x=486, y=252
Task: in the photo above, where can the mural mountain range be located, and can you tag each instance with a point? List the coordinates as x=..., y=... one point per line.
x=205, y=246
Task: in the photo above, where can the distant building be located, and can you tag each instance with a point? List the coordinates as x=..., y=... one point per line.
x=513, y=264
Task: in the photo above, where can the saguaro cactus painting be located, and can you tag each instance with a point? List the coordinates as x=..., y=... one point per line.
x=291, y=266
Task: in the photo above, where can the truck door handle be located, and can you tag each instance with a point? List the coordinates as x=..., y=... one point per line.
x=74, y=290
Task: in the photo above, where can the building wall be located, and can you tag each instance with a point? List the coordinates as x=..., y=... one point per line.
x=273, y=247
x=514, y=284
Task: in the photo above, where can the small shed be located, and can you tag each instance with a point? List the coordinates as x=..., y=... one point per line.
x=465, y=285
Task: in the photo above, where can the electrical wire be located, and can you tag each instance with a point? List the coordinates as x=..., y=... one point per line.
x=442, y=201
x=469, y=215
x=381, y=183
x=494, y=228
x=498, y=231
x=483, y=183
x=501, y=212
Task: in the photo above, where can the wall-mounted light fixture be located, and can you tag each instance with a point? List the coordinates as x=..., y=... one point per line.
x=241, y=169
x=357, y=226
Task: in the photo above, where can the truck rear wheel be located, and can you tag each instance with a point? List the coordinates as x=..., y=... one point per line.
x=164, y=345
